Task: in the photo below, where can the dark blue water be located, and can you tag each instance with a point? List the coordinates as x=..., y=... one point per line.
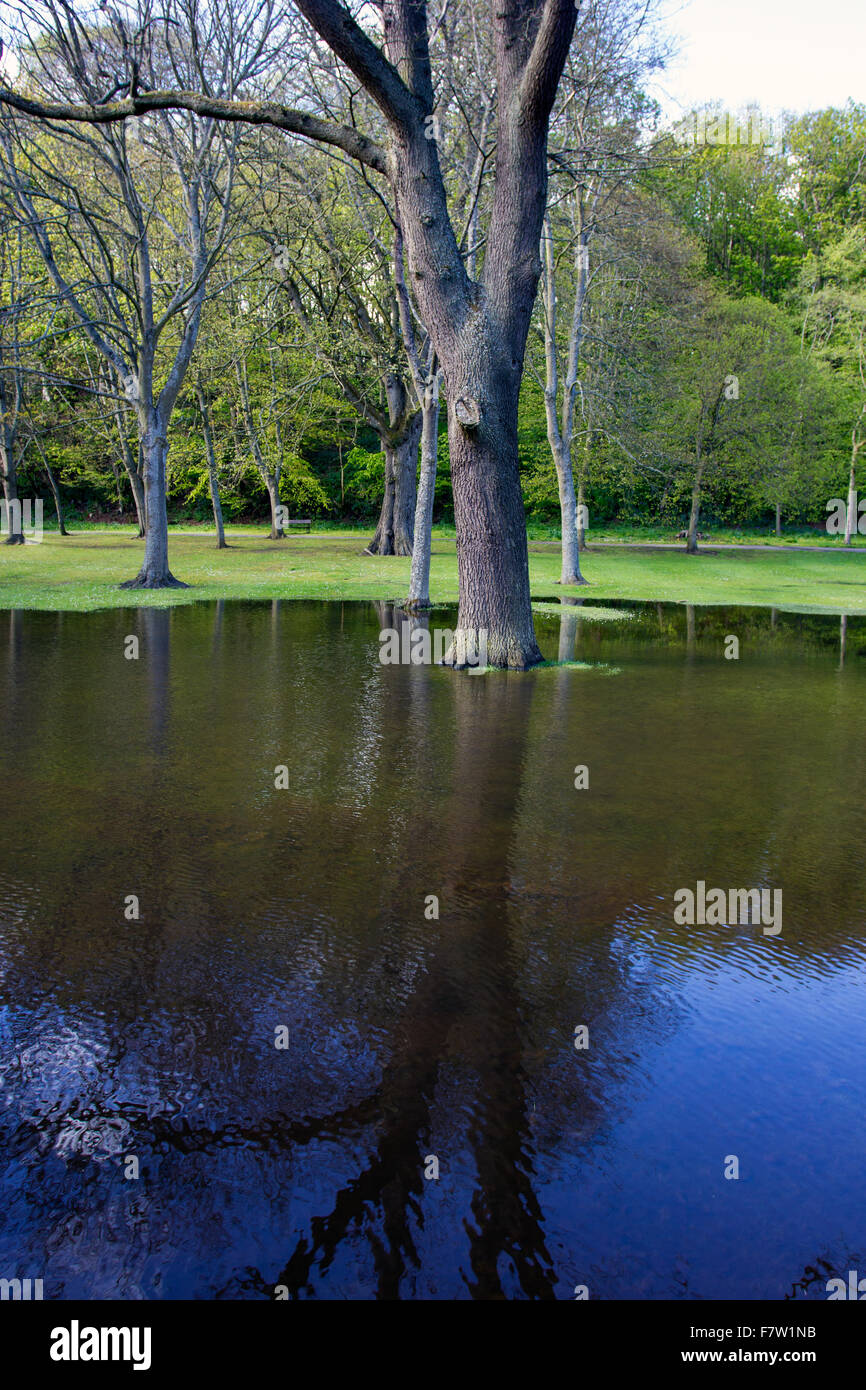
x=309, y=1169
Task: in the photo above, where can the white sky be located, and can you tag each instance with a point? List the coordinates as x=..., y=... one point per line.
x=785, y=55
x=792, y=55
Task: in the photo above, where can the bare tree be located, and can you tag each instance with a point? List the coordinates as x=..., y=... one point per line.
x=130, y=222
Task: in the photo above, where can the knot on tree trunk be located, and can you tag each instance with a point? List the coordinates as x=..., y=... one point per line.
x=468, y=412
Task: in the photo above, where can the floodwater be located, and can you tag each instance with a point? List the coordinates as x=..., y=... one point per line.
x=328, y=1091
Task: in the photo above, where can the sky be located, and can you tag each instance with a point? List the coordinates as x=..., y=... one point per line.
x=784, y=55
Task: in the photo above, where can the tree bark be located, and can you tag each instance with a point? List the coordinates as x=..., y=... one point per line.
x=9, y=468
x=396, y=529
x=154, y=572
x=778, y=518
x=10, y=496
x=273, y=487
x=492, y=553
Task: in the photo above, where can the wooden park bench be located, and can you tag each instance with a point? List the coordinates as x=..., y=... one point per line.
x=306, y=523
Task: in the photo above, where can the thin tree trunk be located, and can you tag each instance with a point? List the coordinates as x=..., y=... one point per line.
x=213, y=478
x=560, y=434
x=10, y=496
x=271, y=480
x=692, y=537
x=570, y=571
x=581, y=494
x=55, y=490
x=851, y=513
x=273, y=486
x=134, y=474
x=9, y=411
x=778, y=519
x=419, y=578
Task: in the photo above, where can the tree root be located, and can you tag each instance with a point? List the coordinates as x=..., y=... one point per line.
x=145, y=581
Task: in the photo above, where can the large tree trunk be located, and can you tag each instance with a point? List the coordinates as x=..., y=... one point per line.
x=154, y=572
x=213, y=478
x=419, y=579
x=479, y=330
x=482, y=380
x=396, y=528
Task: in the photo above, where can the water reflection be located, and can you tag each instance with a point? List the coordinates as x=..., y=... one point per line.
x=414, y=1035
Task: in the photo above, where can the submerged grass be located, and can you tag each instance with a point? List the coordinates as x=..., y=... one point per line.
x=84, y=571
x=584, y=610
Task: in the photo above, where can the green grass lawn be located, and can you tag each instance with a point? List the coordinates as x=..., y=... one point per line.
x=84, y=570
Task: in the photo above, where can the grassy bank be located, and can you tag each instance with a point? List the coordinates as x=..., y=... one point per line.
x=631, y=533
x=84, y=570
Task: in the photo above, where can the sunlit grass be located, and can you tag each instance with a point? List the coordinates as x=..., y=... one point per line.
x=84, y=571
